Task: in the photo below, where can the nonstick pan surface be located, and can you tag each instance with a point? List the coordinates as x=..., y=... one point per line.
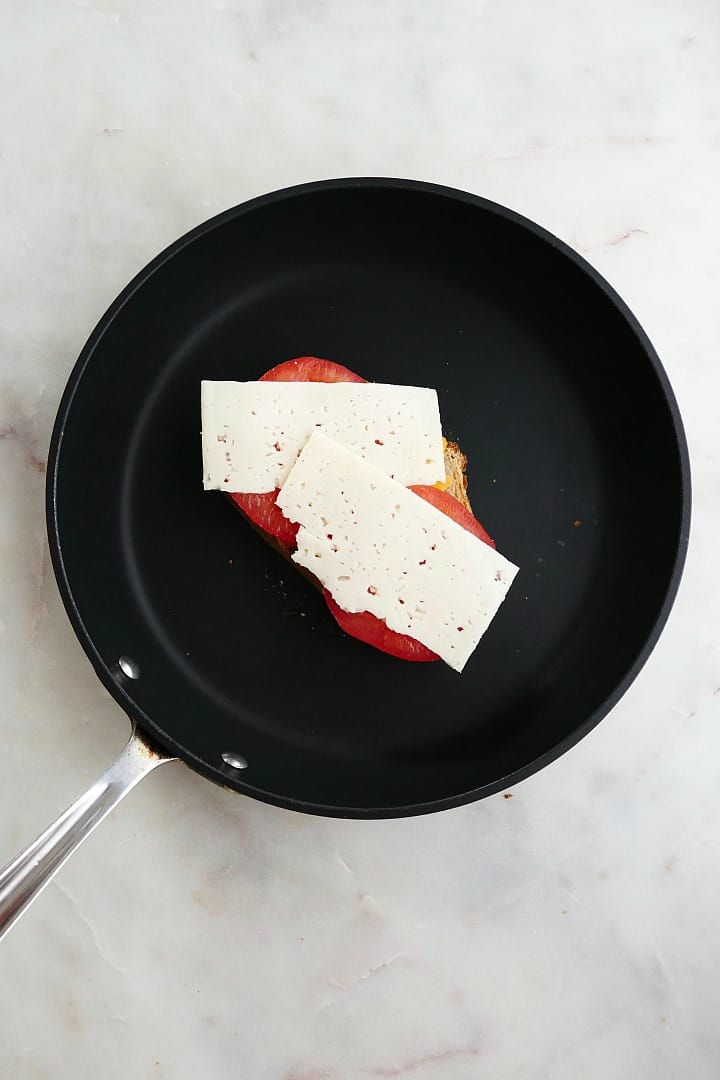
x=578, y=469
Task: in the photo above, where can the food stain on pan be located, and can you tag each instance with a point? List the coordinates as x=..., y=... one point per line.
x=145, y=748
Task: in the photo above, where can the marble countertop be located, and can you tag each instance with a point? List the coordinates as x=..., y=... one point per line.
x=570, y=931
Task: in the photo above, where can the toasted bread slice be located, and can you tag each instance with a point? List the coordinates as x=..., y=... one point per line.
x=456, y=473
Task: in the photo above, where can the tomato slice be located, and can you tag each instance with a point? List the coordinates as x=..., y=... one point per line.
x=264, y=512
x=449, y=505
x=310, y=369
x=373, y=631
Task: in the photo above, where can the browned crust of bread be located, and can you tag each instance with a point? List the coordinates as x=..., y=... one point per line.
x=456, y=474
x=282, y=549
x=273, y=541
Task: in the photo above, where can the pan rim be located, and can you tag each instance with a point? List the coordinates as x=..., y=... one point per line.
x=107, y=676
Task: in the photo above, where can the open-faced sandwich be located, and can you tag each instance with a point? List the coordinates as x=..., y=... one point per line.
x=354, y=483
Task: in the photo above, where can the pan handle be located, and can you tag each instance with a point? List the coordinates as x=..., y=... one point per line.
x=28, y=873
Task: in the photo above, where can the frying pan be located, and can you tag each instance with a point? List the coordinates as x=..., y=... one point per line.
x=226, y=658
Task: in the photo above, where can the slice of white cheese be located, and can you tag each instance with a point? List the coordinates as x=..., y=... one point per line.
x=253, y=432
x=378, y=547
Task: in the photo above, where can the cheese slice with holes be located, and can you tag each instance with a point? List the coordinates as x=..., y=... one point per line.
x=252, y=432
x=380, y=548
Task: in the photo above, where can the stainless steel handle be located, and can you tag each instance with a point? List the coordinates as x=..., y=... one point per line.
x=26, y=876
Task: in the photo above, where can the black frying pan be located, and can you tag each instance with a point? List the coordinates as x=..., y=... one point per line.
x=578, y=469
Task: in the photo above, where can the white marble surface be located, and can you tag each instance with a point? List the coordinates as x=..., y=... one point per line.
x=568, y=932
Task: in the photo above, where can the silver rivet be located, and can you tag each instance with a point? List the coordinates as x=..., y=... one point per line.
x=129, y=667
x=235, y=761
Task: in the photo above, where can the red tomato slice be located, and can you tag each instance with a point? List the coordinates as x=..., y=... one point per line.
x=263, y=512
x=310, y=369
x=373, y=631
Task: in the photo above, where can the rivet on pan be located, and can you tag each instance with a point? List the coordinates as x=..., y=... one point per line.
x=235, y=761
x=129, y=667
